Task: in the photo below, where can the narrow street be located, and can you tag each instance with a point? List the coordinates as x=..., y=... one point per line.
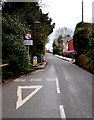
x=61, y=90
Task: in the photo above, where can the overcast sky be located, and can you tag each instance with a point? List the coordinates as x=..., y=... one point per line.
x=67, y=13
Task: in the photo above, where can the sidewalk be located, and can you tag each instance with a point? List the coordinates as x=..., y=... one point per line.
x=65, y=58
x=41, y=65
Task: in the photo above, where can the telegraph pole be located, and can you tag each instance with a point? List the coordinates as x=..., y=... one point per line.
x=82, y=11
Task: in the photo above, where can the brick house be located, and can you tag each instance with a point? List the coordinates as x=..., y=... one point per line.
x=70, y=45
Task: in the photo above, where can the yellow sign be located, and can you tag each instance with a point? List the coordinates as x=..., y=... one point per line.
x=34, y=61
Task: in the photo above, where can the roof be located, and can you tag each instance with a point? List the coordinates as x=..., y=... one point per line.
x=70, y=39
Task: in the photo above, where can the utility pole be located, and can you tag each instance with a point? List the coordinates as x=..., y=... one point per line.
x=82, y=11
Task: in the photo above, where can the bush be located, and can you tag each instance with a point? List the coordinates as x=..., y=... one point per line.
x=84, y=62
x=13, y=50
x=67, y=55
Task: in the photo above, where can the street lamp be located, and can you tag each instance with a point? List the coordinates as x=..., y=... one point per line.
x=38, y=22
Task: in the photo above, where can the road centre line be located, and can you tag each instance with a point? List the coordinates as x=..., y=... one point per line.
x=57, y=83
x=62, y=112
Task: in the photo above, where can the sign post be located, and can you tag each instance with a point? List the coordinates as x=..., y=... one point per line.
x=28, y=42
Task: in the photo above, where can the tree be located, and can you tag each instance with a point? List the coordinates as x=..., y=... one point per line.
x=91, y=48
x=65, y=32
x=60, y=44
x=22, y=12
x=13, y=50
x=84, y=45
x=62, y=35
x=55, y=48
x=81, y=38
x=17, y=21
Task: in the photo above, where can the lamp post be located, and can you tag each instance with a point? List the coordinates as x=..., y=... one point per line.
x=82, y=11
x=38, y=22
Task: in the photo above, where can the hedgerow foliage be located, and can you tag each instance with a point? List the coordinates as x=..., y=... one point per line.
x=84, y=45
x=13, y=50
x=17, y=19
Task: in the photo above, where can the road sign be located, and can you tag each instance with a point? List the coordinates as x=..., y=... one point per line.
x=28, y=36
x=28, y=42
x=35, y=61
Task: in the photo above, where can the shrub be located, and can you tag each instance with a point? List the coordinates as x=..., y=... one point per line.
x=84, y=62
x=13, y=50
x=67, y=55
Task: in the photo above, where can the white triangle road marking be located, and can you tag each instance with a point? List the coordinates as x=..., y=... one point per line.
x=21, y=101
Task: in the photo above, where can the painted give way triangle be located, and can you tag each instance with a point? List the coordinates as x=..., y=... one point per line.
x=21, y=101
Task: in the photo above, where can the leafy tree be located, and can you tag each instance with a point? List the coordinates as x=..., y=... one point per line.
x=90, y=53
x=81, y=38
x=55, y=48
x=13, y=50
x=60, y=44
x=17, y=21
x=84, y=45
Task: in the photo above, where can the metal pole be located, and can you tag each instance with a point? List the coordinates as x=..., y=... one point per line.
x=82, y=11
x=28, y=53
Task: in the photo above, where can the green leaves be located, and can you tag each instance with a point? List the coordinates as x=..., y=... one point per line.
x=84, y=45
x=13, y=50
x=19, y=18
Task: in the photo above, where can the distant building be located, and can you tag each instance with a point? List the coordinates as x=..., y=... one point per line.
x=70, y=45
x=65, y=46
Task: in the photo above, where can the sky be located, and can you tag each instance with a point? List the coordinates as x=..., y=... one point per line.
x=66, y=13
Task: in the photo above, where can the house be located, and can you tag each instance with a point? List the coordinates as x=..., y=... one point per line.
x=65, y=46
x=70, y=45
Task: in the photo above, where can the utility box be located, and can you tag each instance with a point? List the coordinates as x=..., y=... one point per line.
x=35, y=61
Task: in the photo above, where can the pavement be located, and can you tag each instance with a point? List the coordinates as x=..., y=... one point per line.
x=41, y=65
x=61, y=90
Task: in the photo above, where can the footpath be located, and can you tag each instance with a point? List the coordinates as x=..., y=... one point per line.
x=41, y=65
x=65, y=58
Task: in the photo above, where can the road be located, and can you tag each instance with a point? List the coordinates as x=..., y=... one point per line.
x=61, y=90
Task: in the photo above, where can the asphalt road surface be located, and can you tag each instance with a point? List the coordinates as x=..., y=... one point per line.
x=61, y=90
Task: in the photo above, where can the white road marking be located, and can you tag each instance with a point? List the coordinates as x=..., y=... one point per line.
x=19, y=80
x=37, y=79
x=57, y=83
x=21, y=101
x=62, y=112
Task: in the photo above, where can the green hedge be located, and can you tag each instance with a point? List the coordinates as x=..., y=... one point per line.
x=13, y=50
x=84, y=62
x=67, y=55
